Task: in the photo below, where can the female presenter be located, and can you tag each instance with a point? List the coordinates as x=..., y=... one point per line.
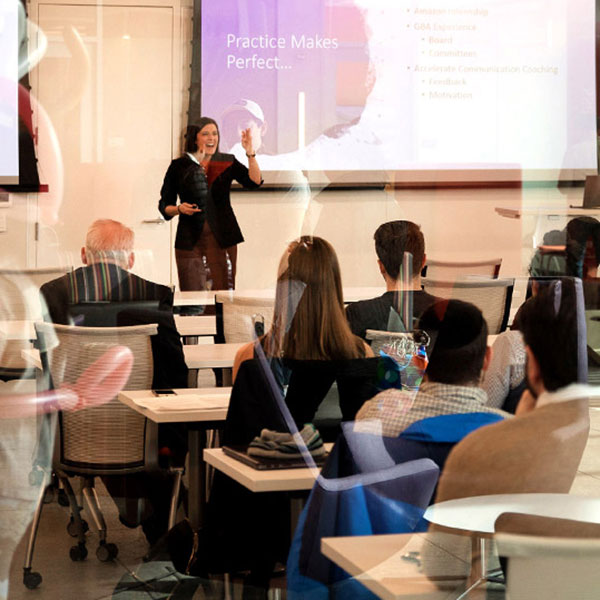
x=207, y=232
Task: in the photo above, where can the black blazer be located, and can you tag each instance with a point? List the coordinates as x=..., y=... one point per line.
x=222, y=170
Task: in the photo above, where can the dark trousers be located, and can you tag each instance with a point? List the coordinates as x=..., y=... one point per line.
x=206, y=266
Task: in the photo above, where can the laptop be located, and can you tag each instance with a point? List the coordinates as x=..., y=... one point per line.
x=262, y=463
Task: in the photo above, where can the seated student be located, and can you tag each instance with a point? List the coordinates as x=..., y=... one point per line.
x=309, y=329
x=578, y=256
x=505, y=375
x=504, y=380
x=107, y=256
x=392, y=241
x=539, y=450
x=458, y=356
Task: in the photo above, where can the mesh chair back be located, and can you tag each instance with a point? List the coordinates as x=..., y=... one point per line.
x=111, y=438
x=237, y=315
x=447, y=270
x=492, y=297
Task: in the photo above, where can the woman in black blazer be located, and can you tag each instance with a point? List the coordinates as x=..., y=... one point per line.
x=207, y=232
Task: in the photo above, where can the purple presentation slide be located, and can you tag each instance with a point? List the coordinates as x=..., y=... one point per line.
x=397, y=85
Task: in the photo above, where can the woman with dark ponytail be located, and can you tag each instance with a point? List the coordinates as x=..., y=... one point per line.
x=207, y=232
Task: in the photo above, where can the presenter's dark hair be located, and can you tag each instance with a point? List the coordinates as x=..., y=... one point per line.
x=191, y=133
x=458, y=334
x=395, y=238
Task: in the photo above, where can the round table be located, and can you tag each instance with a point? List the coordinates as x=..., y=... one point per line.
x=479, y=513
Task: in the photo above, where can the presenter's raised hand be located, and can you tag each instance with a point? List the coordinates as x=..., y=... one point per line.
x=247, y=142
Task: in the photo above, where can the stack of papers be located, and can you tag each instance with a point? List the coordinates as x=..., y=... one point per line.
x=186, y=402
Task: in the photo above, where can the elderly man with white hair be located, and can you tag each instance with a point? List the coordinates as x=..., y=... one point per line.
x=107, y=257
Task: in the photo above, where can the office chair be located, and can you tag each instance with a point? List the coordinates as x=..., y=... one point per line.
x=236, y=316
x=493, y=297
x=110, y=439
x=448, y=270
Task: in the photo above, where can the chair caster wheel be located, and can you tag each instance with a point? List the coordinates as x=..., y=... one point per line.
x=73, y=530
x=107, y=552
x=78, y=553
x=62, y=498
x=31, y=579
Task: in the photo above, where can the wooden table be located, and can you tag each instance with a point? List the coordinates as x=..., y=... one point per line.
x=478, y=514
x=198, y=420
x=280, y=480
x=196, y=325
x=201, y=356
x=540, y=219
x=212, y=356
x=351, y=294
x=195, y=298
x=546, y=211
x=388, y=565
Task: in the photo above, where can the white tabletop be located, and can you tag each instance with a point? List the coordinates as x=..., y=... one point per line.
x=17, y=330
x=379, y=563
x=210, y=356
x=280, y=480
x=211, y=404
x=195, y=298
x=197, y=356
x=479, y=513
x=351, y=294
x=564, y=211
x=196, y=325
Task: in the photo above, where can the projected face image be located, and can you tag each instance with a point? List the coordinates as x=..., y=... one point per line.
x=208, y=139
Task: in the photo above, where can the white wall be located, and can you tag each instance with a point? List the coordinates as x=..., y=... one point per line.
x=458, y=225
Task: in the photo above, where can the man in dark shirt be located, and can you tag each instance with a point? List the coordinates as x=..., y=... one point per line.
x=400, y=249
